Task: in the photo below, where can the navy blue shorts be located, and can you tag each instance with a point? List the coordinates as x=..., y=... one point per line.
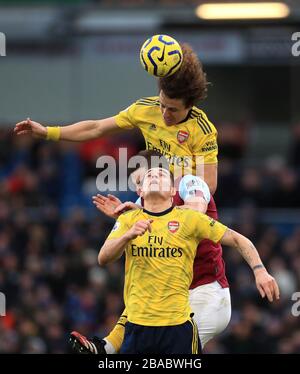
x=178, y=339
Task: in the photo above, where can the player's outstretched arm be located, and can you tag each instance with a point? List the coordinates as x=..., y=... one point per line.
x=265, y=283
x=113, y=249
x=77, y=132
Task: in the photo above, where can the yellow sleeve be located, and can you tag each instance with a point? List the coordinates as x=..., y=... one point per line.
x=125, y=119
x=205, y=140
x=208, y=228
x=120, y=228
x=208, y=149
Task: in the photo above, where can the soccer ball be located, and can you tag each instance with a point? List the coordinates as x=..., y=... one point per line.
x=161, y=55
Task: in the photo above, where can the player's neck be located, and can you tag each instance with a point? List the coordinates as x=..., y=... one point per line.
x=157, y=205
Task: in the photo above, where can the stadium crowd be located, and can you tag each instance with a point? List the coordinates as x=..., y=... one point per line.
x=50, y=234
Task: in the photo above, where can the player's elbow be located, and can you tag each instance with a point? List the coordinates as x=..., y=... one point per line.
x=102, y=258
x=213, y=184
x=241, y=241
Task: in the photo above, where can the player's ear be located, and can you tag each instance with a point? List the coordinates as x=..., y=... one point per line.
x=139, y=190
x=173, y=191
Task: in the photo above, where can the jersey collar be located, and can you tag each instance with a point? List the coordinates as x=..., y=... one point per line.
x=186, y=118
x=159, y=213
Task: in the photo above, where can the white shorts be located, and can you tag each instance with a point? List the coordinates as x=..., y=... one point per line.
x=211, y=305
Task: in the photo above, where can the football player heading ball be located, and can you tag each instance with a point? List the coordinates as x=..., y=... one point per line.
x=174, y=126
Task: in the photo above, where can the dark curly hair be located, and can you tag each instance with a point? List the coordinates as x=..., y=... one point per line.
x=189, y=82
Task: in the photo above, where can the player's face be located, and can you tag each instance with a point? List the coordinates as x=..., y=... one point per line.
x=157, y=180
x=173, y=110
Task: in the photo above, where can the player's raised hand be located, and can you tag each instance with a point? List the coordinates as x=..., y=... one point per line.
x=266, y=285
x=128, y=205
x=113, y=199
x=139, y=228
x=107, y=204
x=32, y=128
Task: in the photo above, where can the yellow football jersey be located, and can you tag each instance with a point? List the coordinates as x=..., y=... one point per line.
x=181, y=143
x=159, y=265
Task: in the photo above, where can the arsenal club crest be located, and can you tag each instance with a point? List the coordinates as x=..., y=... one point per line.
x=182, y=136
x=173, y=226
